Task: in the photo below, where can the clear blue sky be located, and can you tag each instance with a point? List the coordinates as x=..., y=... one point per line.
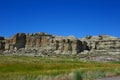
x=60, y=17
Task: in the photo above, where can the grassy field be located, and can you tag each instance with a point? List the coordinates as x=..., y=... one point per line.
x=37, y=68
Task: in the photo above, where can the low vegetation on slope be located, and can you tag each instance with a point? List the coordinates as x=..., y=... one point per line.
x=39, y=68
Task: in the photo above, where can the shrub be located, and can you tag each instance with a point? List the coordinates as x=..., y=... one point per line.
x=78, y=75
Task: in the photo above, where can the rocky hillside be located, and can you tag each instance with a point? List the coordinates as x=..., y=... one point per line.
x=43, y=44
x=103, y=47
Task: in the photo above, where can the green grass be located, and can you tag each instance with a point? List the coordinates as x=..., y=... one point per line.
x=33, y=68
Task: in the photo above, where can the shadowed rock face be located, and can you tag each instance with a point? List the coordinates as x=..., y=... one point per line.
x=2, y=43
x=19, y=40
x=1, y=38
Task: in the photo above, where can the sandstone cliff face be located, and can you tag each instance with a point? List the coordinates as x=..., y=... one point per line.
x=67, y=45
x=43, y=42
x=18, y=41
x=38, y=40
x=103, y=47
x=103, y=42
x=59, y=45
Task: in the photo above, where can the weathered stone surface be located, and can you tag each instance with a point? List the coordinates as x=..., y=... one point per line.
x=19, y=40
x=8, y=44
x=60, y=45
x=46, y=44
x=104, y=45
x=38, y=40
x=102, y=42
x=2, y=43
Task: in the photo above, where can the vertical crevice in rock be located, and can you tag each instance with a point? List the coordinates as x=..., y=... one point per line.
x=2, y=43
x=19, y=40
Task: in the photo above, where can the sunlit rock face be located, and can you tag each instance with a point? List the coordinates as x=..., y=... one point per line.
x=38, y=40
x=58, y=44
x=100, y=43
x=103, y=47
x=45, y=42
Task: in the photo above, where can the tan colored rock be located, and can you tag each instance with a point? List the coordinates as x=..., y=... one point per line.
x=103, y=43
x=60, y=45
x=38, y=40
x=47, y=42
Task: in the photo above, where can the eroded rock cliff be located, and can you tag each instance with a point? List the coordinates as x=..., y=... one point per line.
x=43, y=43
x=104, y=46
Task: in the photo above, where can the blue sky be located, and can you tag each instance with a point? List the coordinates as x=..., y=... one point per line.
x=60, y=17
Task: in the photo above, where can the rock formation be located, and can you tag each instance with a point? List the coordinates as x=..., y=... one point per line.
x=43, y=43
x=103, y=45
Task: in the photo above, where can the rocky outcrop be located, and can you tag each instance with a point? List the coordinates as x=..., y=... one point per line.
x=103, y=47
x=67, y=45
x=18, y=41
x=46, y=44
x=38, y=40
x=43, y=42
x=58, y=44
x=103, y=42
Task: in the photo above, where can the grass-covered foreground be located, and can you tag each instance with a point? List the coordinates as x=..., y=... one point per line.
x=37, y=68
